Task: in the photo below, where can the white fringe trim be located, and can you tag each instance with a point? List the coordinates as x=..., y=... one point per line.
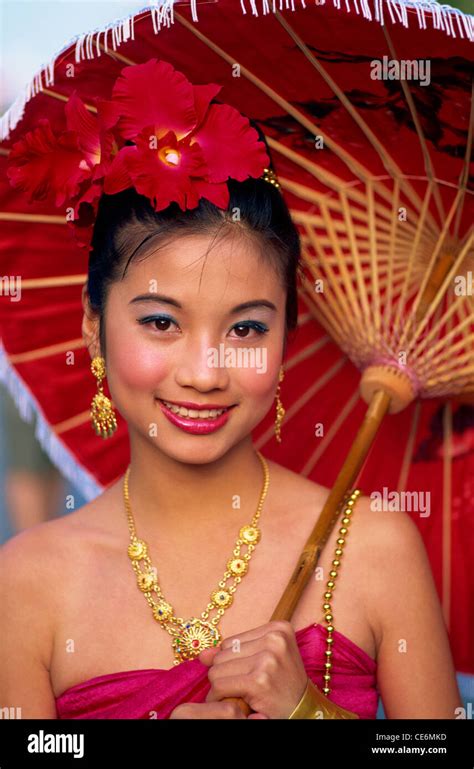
x=56, y=450
x=121, y=30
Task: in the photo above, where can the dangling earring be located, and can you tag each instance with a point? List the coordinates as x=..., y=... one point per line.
x=102, y=412
x=280, y=411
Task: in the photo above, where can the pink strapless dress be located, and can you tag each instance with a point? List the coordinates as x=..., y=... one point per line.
x=154, y=693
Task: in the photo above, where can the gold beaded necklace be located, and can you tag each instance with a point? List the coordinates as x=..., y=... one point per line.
x=331, y=585
x=191, y=636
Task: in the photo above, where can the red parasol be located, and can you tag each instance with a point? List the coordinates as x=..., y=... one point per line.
x=375, y=169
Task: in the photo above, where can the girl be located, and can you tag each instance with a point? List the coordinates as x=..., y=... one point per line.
x=201, y=534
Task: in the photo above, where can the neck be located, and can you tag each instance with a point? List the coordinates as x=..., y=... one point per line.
x=172, y=496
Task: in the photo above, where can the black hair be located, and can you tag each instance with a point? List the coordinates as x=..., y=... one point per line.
x=126, y=221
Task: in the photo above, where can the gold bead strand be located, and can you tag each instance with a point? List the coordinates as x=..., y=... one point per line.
x=331, y=584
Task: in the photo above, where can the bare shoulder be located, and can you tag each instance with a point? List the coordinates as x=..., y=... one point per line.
x=37, y=561
x=34, y=568
x=371, y=528
x=416, y=674
x=379, y=532
x=292, y=491
x=36, y=550
x=384, y=545
x=40, y=568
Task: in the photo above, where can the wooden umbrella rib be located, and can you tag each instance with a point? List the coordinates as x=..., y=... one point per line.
x=332, y=181
x=388, y=306
x=464, y=176
x=336, y=307
x=387, y=160
x=383, y=225
x=385, y=281
x=421, y=137
x=408, y=275
x=46, y=352
x=398, y=269
x=350, y=293
x=306, y=352
x=455, y=371
x=63, y=97
x=352, y=163
x=442, y=289
x=302, y=400
x=447, y=513
x=443, y=343
x=466, y=311
x=360, y=231
x=453, y=391
x=322, y=174
x=54, y=281
x=464, y=374
x=374, y=267
x=429, y=270
x=356, y=260
x=303, y=318
x=333, y=296
x=409, y=448
x=383, y=249
x=116, y=55
x=322, y=314
x=456, y=364
x=383, y=252
x=72, y=422
x=14, y=216
x=323, y=380
x=341, y=417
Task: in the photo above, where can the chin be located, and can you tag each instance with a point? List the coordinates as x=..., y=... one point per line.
x=205, y=451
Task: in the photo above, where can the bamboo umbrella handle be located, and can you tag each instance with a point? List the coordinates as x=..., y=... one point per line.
x=327, y=519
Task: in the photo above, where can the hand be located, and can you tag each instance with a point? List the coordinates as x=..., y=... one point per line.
x=211, y=710
x=262, y=665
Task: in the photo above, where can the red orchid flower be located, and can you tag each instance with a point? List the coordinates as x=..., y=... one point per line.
x=45, y=162
x=185, y=148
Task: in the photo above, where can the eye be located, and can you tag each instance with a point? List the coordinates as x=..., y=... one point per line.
x=245, y=326
x=162, y=322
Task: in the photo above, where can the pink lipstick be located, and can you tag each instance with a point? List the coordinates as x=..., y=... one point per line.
x=195, y=425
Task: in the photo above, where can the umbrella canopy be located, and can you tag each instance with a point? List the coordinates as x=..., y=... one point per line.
x=367, y=109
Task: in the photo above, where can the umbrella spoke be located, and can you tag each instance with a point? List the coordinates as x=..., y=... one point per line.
x=329, y=436
x=46, y=352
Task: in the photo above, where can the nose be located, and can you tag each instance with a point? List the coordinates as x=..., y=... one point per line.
x=199, y=365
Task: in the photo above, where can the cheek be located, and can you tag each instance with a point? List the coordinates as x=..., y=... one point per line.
x=134, y=368
x=260, y=386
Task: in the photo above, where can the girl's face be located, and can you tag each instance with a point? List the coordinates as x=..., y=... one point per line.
x=189, y=329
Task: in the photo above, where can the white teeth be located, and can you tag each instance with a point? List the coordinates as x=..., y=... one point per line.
x=193, y=413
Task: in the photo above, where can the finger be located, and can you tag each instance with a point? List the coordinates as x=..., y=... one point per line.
x=208, y=710
x=256, y=632
x=230, y=686
x=206, y=657
x=232, y=656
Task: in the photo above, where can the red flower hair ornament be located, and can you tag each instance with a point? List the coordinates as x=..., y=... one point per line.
x=158, y=133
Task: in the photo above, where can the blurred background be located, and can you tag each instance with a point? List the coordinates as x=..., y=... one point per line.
x=32, y=32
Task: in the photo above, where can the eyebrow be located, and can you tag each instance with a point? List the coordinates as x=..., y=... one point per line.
x=162, y=299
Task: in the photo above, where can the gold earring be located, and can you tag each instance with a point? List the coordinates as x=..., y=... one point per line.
x=280, y=411
x=102, y=412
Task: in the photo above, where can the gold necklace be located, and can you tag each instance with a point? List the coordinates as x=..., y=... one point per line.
x=191, y=636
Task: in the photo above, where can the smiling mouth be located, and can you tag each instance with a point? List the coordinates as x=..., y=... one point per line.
x=182, y=411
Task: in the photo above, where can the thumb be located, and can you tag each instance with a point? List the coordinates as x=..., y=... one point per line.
x=257, y=715
x=207, y=655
